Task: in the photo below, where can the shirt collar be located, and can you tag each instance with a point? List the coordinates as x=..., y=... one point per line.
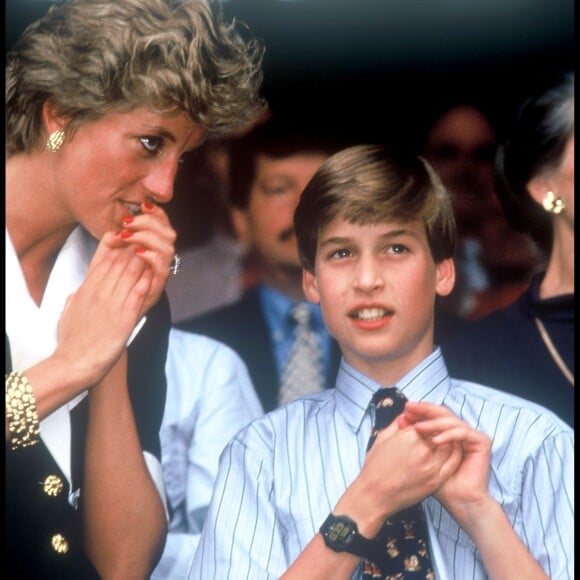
x=66, y=276
x=428, y=381
x=556, y=308
x=32, y=330
x=30, y=346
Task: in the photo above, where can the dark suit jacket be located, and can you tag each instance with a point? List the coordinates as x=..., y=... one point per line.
x=242, y=326
x=33, y=516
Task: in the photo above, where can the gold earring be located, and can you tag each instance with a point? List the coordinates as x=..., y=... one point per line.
x=55, y=141
x=553, y=204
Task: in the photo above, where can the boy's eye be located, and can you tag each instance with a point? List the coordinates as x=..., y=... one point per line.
x=151, y=144
x=397, y=249
x=341, y=253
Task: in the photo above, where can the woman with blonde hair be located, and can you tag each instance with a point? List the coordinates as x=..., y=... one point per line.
x=102, y=100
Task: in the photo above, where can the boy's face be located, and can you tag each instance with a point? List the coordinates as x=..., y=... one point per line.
x=376, y=285
x=266, y=225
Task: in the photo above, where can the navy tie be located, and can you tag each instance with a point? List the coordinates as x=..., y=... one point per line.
x=402, y=550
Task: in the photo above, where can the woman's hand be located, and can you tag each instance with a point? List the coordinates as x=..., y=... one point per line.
x=99, y=317
x=125, y=279
x=152, y=237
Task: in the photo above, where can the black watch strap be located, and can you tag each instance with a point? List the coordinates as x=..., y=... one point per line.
x=341, y=534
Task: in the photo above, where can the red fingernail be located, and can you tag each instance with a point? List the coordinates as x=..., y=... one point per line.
x=127, y=220
x=148, y=205
x=139, y=250
x=126, y=234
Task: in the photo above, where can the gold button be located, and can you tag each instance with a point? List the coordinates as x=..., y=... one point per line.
x=53, y=485
x=59, y=544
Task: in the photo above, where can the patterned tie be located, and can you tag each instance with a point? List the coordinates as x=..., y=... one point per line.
x=405, y=552
x=303, y=371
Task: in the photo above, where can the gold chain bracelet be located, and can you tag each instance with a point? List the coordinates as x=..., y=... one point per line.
x=21, y=412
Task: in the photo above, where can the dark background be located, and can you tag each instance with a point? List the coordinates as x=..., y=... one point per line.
x=382, y=69
x=378, y=70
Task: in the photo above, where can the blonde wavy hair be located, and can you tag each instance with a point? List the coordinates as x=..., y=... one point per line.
x=92, y=57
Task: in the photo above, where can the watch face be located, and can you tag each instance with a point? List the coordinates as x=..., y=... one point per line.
x=338, y=532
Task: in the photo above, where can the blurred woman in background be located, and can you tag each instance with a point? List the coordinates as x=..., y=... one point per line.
x=528, y=347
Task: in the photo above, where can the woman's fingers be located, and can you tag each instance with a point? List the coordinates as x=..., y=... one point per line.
x=100, y=316
x=152, y=237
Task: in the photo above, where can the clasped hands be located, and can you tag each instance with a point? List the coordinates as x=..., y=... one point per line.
x=426, y=451
x=124, y=280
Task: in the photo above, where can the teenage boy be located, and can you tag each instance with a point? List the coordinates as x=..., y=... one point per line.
x=297, y=494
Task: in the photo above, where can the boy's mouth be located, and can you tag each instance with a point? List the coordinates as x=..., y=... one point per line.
x=370, y=313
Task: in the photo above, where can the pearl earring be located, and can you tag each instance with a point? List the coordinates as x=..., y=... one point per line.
x=553, y=204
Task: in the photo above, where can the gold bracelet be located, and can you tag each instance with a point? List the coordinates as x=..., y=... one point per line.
x=21, y=412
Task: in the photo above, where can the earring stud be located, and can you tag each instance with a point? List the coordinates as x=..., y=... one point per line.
x=55, y=141
x=553, y=204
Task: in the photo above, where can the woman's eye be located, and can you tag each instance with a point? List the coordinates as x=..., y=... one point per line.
x=151, y=144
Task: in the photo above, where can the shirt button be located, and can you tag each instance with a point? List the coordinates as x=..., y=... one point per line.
x=52, y=485
x=59, y=544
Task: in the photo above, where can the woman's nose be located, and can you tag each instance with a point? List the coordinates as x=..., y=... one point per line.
x=161, y=180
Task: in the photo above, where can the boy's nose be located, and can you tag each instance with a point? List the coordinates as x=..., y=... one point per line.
x=369, y=275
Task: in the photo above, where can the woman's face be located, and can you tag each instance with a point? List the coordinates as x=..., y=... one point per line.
x=110, y=166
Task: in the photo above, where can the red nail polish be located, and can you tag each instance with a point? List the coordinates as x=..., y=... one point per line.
x=127, y=220
x=148, y=205
x=139, y=250
x=126, y=234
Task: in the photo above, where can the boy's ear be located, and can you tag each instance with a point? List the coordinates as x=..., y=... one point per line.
x=241, y=227
x=445, y=277
x=310, y=287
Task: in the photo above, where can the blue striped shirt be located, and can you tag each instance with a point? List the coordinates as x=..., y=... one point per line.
x=282, y=475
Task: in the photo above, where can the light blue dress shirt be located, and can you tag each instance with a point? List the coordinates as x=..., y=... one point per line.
x=209, y=398
x=281, y=476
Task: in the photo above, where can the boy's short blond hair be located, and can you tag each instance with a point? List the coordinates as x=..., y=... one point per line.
x=368, y=184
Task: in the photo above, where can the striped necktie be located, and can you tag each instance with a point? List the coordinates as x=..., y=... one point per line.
x=303, y=372
x=404, y=551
